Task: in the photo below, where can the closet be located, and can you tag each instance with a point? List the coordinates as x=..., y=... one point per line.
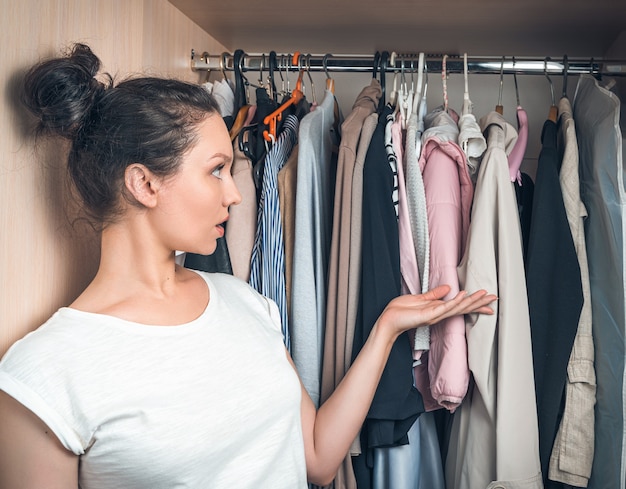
x=47, y=258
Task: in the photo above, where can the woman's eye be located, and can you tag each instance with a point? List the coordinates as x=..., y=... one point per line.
x=218, y=172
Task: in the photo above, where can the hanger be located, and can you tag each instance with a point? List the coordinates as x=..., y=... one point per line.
x=308, y=72
x=393, y=96
x=516, y=87
x=384, y=64
x=420, y=79
x=376, y=64
x=270, y=77
x=240, y=89
x=553, y=113
x=407, y=103
x=444, y=82
x=223, y=64
x=330, y=83
x=296, y=95
x=516, y=156
x=467, y=103
x=565, y=72
x=500, y=107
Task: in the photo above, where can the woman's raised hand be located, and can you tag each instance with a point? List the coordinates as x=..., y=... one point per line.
x=413, y=311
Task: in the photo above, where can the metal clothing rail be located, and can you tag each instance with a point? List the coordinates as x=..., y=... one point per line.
x=408, y=62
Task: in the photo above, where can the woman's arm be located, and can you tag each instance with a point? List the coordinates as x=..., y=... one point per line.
x=329, y=432
x=31, y=456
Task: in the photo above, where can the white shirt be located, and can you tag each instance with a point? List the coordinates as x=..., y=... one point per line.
x=213, y=403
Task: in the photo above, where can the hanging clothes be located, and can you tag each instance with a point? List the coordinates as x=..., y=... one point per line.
x=471, y=138
x=346, y=475
x=597, y=112
x=572, y=454
x=444, y=375
x=224, y=95
x=334, y=360
x=418, y=216
x=554, y=288
x=494, y=440
x=417, y=464
x=338, y=331
x=267, y=269
x=312, y=242
x=397, y=403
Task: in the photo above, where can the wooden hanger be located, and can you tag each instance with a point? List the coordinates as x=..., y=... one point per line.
x=330, y=83
x=296, y=95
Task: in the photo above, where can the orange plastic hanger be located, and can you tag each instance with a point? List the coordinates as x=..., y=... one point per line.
x=296, y=95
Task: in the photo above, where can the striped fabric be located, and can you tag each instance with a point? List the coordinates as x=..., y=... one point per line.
x=267, y=267
x=392, y=159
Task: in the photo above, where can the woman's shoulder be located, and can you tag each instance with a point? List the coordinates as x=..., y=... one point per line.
x=226, y=285
x=237, y=293
x=64, y=330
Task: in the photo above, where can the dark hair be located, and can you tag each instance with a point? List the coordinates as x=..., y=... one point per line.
x=140, y=120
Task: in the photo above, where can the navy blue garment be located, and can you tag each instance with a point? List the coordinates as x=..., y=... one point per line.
x=555, y=296
x=524, y=195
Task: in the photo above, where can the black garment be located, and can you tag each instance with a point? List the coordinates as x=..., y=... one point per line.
x=397, y=403
x=524, y=195
x=555, y=295
x=218, y=261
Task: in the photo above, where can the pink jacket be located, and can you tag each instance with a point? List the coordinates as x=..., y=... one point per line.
x=443, y=376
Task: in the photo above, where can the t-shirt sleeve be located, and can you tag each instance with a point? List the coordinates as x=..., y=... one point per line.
x=22, y=378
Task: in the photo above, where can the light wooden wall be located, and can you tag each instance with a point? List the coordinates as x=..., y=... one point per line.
x=45, y=261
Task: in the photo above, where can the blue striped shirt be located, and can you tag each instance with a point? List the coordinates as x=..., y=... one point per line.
x=267, y=267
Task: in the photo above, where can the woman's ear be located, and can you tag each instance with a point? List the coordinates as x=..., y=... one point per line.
x=142, y=184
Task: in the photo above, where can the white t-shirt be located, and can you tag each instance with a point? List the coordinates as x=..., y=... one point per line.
x=213, y=403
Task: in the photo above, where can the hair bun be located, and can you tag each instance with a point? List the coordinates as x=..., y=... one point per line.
x=61, y=91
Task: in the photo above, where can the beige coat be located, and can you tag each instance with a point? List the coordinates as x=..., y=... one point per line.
x=495, y=440
x=572, y=453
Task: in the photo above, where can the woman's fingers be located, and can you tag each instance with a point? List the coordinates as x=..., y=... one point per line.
x=410, y=311
x=464, y=303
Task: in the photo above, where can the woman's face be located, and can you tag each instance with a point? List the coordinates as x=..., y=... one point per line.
x=193, y=204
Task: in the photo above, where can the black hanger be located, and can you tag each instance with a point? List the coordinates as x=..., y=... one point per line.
x=240, y=81
x=272, y=66
x=384, y=64
x=375, y=64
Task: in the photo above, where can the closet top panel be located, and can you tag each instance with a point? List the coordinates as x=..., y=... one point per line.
x=478, y=27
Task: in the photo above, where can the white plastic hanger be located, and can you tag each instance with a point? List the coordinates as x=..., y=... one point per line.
x=418, y=88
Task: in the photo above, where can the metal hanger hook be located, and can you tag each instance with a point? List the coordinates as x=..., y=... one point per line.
x=501, y=81
x=545, y=69
x=325, y=64
x=565, y=73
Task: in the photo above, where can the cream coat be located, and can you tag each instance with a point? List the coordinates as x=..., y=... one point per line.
x=495, y=441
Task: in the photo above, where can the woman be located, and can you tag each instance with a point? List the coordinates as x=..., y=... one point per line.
x=157, y=376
